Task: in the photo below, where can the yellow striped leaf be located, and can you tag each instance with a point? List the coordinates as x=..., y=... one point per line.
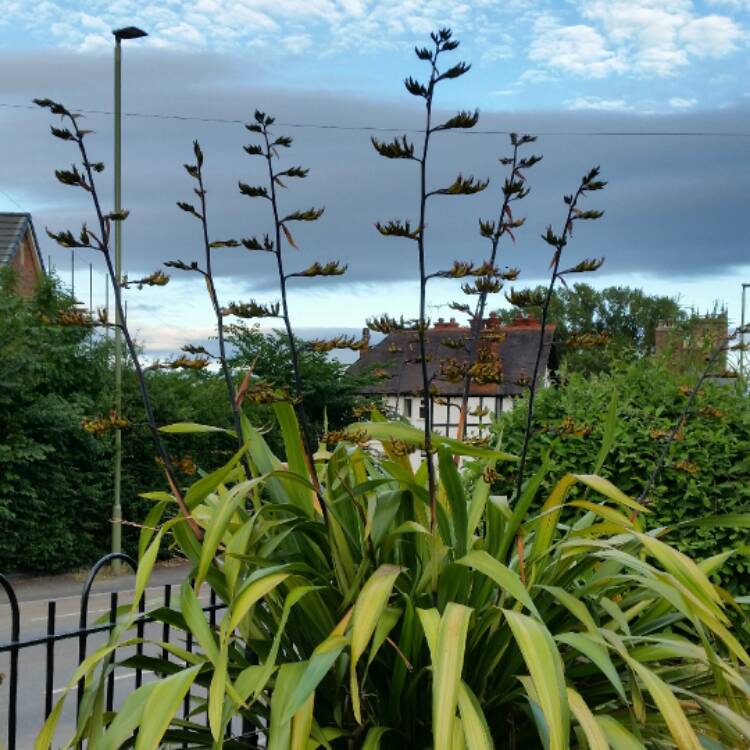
x=545, y=667
x=367, y=612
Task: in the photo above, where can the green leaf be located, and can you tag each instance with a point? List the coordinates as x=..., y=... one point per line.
x=608, y=440
x=504, y=577
x=592, y=647
x=618, y=737
x=457, y=500
x=192, y=611
x=447, y=669
x=127, y=719
x=595, y=736
x=180, y=428
x=315, y=670
x=269, y=664
x=163, y=703
x=374, y=735
x=199, y=491
x=280, y=732
x=216, y=694
x=367, y=612
x=476, y=731
x=260, y=583
x=47, y=733
x=669, y=707
x=227, y=505
x=545, y=667
x=295, y=456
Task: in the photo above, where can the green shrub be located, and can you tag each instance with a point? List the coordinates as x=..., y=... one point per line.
x=53, y=475
x=708, y=470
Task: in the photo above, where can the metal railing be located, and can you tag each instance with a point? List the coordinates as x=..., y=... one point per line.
x=82, y=633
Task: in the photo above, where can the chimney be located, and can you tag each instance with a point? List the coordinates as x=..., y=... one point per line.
x=366, y=348
x=493, y=322
x=442, y=325
x=525, y=321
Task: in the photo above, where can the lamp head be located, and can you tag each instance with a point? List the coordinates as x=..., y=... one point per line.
x=129, y=32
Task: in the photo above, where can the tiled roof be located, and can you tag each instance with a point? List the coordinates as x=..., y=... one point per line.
x=396, y=355
x=13, y=228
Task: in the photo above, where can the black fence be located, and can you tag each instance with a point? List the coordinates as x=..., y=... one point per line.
x=81, y=634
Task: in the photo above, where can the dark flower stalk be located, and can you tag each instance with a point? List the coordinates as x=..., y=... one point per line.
x=268, y=150
x=89, y=239
x=589, y=183
x=403, y=149
x=196, y=172
x=513, y=190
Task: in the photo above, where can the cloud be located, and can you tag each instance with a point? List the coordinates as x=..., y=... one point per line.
x=711, y=36
x=361, y=25
x=641, y=37
x=677, y=102
x=655, y=202
x=596, y=103
x=655, y=223
x=578, y=49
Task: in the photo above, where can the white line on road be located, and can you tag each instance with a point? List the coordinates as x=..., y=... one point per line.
x=69, y=614
x=118, y=677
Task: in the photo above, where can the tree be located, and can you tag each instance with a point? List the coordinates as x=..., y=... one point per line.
x=619, y=319
x=54, y=476
x=327, y=388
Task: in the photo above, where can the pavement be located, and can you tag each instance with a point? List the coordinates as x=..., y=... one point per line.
x=33, y=595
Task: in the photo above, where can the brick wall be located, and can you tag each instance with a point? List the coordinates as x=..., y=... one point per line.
x=26, y=265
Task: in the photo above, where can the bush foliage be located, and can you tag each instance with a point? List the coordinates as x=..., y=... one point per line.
x=708, y=469
x=54, y=477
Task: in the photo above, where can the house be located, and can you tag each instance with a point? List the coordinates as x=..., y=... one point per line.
x=19, y=250
x=688, y=344
x=510, y=347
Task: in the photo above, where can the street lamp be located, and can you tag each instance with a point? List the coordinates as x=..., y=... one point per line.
x=128, y=32
x=745, y=287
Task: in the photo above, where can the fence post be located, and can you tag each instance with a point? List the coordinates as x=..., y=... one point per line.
x=50, y=665
x=15, y=630
x=83, y=619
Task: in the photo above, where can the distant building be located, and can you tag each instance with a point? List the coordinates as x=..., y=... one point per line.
x=396, y=361
x=688, y=344
x=19, y=250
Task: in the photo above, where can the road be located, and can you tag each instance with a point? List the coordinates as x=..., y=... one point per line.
x=33, y=597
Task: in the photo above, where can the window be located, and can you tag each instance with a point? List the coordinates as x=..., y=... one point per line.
x=422, y=410
x=407, y=408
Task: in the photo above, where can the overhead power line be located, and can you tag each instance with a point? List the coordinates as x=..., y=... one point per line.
x=381, y=129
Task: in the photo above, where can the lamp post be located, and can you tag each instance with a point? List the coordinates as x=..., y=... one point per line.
x=128, y=32
x=745, y=287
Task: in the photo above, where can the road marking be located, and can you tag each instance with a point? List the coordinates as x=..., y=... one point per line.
x=118, y=677
x=203, y=598
x=69, y=614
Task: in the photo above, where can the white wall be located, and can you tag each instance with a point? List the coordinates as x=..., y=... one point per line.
x=445, y=415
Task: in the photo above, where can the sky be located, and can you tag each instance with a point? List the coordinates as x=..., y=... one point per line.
x=655, y=92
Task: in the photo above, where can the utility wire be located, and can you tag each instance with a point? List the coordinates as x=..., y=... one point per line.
x=12, y=200
x=380, y=129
